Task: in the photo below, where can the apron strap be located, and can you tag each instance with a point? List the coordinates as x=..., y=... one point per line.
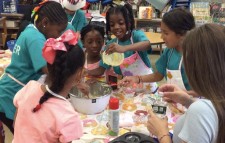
x=85, y=64
x=73, y=17
x=131, y=40
x=171, y=52
x=16, y=80
x=181, y=60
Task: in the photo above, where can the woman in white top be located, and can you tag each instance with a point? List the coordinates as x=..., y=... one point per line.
x=204, y=61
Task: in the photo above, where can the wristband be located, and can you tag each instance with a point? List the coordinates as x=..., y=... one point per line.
x=139, y=79
x=163, y=137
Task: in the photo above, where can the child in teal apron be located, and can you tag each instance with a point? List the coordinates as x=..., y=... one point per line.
x=120, y=22
x=175, y=24
x=76, y=17
x=27, y=62
x=92, y=37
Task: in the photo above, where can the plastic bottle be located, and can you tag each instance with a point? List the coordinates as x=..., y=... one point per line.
x=160, y=106
x=113, y=116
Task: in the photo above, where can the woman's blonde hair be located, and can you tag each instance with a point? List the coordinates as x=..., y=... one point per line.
x=204, y=60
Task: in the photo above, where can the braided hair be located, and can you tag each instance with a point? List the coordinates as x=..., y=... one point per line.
x=65, y=65
x=127, y=13
x=52, y=10
x=91, y=27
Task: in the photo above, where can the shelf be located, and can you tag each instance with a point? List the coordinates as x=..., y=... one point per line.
x=10, y=28
x=12, y=15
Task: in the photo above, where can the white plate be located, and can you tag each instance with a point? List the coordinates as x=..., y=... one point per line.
x=114, y=59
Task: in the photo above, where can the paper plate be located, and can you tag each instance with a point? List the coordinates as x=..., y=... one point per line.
x=114, y=59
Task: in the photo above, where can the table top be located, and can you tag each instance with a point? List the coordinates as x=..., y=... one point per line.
x=154, y=38
x=133, y=118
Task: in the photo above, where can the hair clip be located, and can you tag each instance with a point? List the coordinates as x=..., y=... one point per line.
x=36, y=18
x=36, y=9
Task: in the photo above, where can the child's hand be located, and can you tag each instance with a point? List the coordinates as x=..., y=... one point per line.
x=84, y=88
x=114, y=47
x=157, y=126
x=128, y=81
x=91, y=81
x=172, y=93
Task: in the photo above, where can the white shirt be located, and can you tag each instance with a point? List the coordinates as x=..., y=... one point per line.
x=198, y=125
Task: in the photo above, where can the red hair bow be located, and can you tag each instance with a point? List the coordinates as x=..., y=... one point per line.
x=51, y=45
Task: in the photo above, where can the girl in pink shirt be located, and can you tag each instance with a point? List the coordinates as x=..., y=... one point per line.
x=44, y=115
x=92, y=37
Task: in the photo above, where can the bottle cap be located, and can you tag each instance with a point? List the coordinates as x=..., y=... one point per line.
x=114, y=103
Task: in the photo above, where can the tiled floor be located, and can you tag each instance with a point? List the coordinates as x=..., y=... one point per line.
x=153, y=57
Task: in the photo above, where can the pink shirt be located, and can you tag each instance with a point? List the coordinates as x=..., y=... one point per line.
x=56, y=121
x=92, y=67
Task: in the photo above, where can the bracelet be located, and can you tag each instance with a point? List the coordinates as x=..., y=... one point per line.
x=163, y=137
x=139, y=79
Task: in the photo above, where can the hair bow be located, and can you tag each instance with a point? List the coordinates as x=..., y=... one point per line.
x=51, y=45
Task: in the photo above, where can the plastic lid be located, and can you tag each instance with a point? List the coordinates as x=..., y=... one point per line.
x=114, y=103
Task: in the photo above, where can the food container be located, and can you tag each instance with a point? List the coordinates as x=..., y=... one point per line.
x=133, y=137
x=99, y=95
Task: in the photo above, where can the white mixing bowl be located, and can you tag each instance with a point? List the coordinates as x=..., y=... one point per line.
x=98, y=101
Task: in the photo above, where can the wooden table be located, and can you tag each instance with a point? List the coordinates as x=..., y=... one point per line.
x=155, y=39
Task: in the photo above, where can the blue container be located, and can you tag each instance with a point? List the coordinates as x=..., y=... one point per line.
x=11, y=44
x=105, y=2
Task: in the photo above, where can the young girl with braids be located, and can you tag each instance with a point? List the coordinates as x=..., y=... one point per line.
x=27, y=63
x=120, y=22
x=92, y=37
x=43, y=112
